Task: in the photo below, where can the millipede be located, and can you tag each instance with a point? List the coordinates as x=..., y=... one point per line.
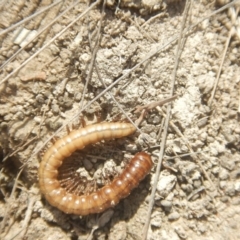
x=103, y=198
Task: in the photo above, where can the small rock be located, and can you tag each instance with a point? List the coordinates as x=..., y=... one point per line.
x=237, y=186
x=55, y=109
x=223, y=174
x=215, y=170
x=156, y=220
x=3, y=126
x=224, y=199
x=222, y=184
x=173, y=216
x=230, y=189
x=87, y=164
x=8, y=117
x=54, y=49
x=202, y=228
x=187, y=188
x=236, y=200
x=131, y=147
x=156, y=120
x=235, y=174
x=78, y=96
x=167, y=205
x=197, y=183
x=227, y=162
x=68, y=103
x=70, y=88
x=181, y=232
x=40, y=98
x=166, y=183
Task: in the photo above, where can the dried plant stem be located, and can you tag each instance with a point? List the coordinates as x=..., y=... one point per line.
x=29, y=18
x=39, y=33
x=230, y=34
x=165, y=129
x=28, y=214
x=95, y=49
x=9, y=200
x=51, y=41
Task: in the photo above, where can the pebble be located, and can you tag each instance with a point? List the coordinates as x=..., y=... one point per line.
x=197, y=183
x=187, y=188
x=167, y=205
x=37, y=119
x=87, y=164
x=156, y=120
x=85, y=57
x=215, y=170
x=53, y=125
x=108, y=53
x=19, y=115
x=173, y=216
x=8, y=117
x=235, y=174
x=224, y=199
x=202, y=228
x=223, y=174
x=222, y=184
x=40, y=98
x=166, y=183
x=3, y=126
x=236, y=200
x=47, y=94
x=55, y=50
x=181, y=232
x=237, y=186
x=227, y=162
x=67, y=103
x=156, y=220
x=55, y=109
x=131, y=147
x=70, y=88
x=78, y=96
x=230, y=189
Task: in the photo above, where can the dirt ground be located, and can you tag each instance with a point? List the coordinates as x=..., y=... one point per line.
x=79, y=62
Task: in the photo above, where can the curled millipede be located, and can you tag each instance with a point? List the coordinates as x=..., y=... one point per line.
x=107, y=196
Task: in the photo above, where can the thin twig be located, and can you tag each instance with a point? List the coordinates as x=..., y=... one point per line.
x=39, y=33
x=162, y=14
x=21, y=147
x=10, y=199
x=21, y=233
x=51, y=41
x=142, y=31
x=29, y=18
x=152, y=105
x=165, y=130
x=179, y=156
x=230, y=34
x=95, y=49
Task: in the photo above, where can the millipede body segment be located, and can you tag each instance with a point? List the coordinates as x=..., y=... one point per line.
x=107, y=196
